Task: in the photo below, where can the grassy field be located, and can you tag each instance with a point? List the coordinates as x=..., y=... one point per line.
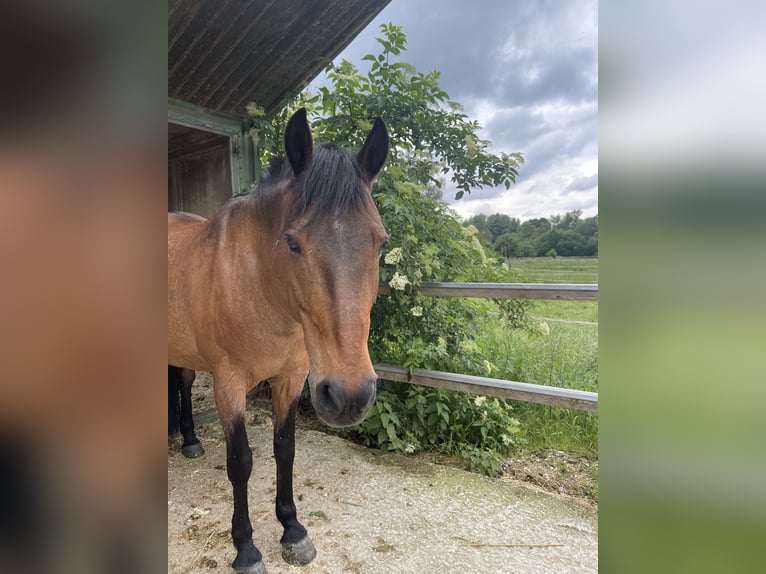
x=551, y=353
x=556, y=269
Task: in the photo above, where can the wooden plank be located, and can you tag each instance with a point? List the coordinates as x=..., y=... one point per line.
x=548, y=291
x=527, y=392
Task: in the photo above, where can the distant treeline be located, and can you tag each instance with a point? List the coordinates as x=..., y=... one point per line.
x=565, y=235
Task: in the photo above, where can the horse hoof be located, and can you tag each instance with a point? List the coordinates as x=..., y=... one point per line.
x=298, y=553
x=193, y=450
x=257, y=568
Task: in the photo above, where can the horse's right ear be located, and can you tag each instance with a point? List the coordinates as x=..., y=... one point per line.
x=298, y=144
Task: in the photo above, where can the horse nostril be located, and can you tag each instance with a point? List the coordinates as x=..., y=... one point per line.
x=330, y=398
x=366, y=395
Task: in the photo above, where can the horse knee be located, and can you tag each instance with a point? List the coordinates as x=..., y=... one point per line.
x=239, y=456
x=239, y=467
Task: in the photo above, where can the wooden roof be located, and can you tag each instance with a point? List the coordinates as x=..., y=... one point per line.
x=223, y=54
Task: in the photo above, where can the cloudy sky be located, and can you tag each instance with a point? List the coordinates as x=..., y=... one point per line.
x=527, y=70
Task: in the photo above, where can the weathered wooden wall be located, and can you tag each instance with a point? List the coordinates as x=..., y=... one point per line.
x=199, y=170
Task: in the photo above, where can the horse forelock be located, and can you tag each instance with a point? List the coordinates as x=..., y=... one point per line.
x=331, y=185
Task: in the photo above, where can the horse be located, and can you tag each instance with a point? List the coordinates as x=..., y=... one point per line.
x=278, y=285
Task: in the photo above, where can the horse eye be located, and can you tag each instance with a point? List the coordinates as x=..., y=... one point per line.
x=292, y=245
x=383, y=246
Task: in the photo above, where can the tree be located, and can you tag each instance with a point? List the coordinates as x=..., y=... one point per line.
x=500, y=224
x=533, y=227
x=526, y=249
x=588, y=227
x=479, y=221
x=547, y=242
x=508, y=246
x=592, y=246
x=567, y=235
x=571, y=243
x=570, y=219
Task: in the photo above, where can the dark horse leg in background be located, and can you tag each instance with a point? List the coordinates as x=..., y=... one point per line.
x=180, y=410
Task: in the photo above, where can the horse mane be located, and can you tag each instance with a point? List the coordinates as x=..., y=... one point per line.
x=330, y=185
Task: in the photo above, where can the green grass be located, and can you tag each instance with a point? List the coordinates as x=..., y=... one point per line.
x=553, y=354
x=556, y=269
x=560, y=356
x=567, y=310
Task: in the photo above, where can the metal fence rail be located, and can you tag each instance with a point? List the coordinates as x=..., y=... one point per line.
x=528, y=392
x=548, y=291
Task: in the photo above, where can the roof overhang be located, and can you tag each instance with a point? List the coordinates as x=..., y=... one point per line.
x=224, y=54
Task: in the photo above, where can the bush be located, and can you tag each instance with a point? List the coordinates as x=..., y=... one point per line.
x=408, y=418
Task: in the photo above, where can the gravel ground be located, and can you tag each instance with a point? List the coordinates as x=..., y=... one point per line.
x=369, y=512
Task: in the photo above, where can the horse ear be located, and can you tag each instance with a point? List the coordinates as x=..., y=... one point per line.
x=373, y=154
x=298, y=144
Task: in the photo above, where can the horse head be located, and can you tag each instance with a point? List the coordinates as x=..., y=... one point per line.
x=331, y=244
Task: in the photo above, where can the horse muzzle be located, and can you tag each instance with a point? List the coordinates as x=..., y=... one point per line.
x=340, y=405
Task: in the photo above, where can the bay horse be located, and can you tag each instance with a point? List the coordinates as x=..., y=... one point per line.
x=278, y=285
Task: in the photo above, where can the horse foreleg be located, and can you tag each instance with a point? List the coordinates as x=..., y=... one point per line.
x=230, y=401
x=297, y=547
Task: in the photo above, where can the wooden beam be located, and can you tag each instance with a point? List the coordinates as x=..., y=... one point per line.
x=564, y=292
x=527, y=392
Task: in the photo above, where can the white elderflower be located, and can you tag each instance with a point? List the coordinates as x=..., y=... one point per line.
x=399, y=281
x=394, y=256
x=417, y=311
x=478, y=401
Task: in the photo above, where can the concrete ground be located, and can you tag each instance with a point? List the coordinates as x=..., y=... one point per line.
x=369, y=512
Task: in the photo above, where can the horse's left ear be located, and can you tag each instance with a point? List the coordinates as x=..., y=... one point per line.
x=298, y=144
x=373, y=154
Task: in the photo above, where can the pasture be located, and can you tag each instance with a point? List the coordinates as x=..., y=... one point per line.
x=555, y=269
x=552, y=353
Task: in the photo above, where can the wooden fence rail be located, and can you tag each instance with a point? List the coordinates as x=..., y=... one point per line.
x=528, y=392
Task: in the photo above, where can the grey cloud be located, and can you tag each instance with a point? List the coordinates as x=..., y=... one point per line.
x=534, y=62
x=556, y=78
x=517, y=126
x=466, y=43
x=582, y=183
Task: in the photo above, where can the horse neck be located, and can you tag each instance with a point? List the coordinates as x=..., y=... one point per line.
x=250, y=232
